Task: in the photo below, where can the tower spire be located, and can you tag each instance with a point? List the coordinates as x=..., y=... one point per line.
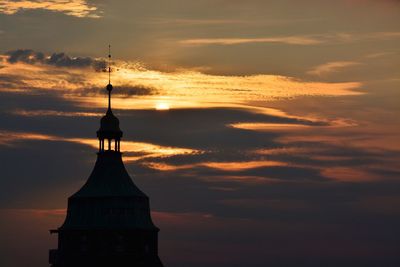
x=109, y=64
x=109, y=86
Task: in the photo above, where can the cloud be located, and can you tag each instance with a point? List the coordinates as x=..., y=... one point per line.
x=63, y=75
x=123, y=91
x=139, y=149
x=76, y=8
x=379, y=54
x=56, y=59
x=56, y=113
x=352, y=37
x=195, y=22
x=331, y=67
x=219, y=21
x=291, y=40
x=229, y=167
x=312, y=39
x=350, y=174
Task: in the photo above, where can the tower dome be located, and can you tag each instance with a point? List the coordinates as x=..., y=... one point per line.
x=109, y=123
x=109, y=127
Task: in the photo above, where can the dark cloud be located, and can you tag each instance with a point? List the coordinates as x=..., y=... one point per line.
x=203, y=128
x=10, y=81
x=123, y=90
x=56, y=59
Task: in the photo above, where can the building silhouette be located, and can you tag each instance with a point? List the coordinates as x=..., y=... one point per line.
x=108, y=220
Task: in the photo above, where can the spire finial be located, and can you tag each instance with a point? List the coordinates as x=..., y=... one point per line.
x=109, y=86
x=109, y=64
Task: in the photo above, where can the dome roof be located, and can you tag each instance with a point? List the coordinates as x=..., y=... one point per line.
x=109, y=178
x=109, y=122
x=109, y=199
x=109, y=126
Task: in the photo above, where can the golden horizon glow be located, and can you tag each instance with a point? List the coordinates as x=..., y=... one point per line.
x=181, y=88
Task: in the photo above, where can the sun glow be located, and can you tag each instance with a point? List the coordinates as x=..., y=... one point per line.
x=162, y=106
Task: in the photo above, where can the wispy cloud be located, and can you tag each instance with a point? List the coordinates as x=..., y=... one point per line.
x=56, y=59
x=379, y=54
x=193, y=22
x=331, y=67
x=350, y=174
x=223, y=166
x=226, y=21
x=292, y=40
x=312, y=39
x=378, y=35
x=267, y=126
x=76, y=8
x=57, y=113
x=141, y=150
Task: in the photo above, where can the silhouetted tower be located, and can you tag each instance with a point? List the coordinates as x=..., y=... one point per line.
x=108, y=220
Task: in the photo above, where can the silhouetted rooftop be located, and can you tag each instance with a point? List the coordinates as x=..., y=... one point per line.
x=109, y=178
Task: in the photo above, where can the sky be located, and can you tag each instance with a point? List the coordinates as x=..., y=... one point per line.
x=266, y=133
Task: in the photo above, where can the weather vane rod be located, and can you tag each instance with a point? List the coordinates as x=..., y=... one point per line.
x=109, y=64
x=109, y=86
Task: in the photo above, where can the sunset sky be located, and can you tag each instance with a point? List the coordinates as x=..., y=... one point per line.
x=266, y=133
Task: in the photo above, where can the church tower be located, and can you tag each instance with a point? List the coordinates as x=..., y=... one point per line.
x=108, y=220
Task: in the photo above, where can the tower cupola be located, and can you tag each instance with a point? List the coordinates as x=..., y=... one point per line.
x=109, y=125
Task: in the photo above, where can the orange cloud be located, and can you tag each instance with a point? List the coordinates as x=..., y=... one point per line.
x=241, y=179
x=179, y=89
x=144, y=150
x=315, y=39
x=292, y=40
x=347, y=174
x=225, y=166
x=245, y=165
x=332, y=67
x=76, y=8
x=256, y=126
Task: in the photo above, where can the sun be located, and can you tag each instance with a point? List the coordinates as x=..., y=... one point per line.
x=162, y=106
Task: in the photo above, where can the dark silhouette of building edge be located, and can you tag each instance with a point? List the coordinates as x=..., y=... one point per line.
x=108, y=221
